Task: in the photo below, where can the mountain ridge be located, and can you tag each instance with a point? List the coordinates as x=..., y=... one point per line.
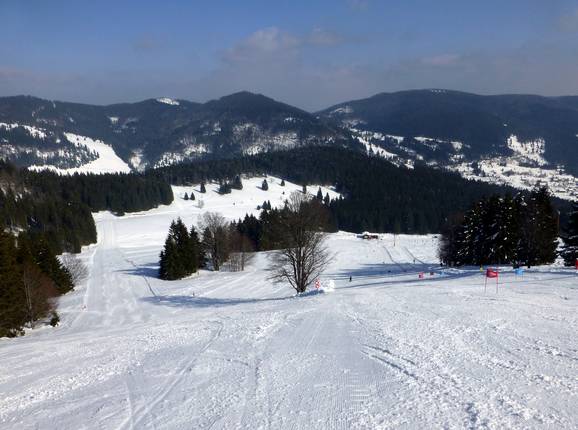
x=518, y=139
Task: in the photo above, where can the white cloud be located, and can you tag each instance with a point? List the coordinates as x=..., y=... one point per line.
x=265, y=43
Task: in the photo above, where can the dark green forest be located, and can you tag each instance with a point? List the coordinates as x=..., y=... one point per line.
x=58, y=208
x=503, y=230
x=44, y=214
x=378, y=196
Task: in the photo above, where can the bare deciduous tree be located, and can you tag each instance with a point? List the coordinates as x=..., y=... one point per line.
x=242, y=251
x=303, y=255
x=39, y=291
x=215, y=230
x=77, y=269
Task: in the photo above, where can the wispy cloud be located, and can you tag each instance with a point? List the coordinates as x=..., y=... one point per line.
x=267, y=43
x=358, y=5
x=569, y=21
x=272, y=43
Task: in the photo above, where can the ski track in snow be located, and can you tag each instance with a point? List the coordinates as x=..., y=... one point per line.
x=231, y=350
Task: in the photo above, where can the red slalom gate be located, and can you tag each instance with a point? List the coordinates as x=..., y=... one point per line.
x=491, y=273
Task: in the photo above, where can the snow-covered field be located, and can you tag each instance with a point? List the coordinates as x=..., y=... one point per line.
x=231, y=350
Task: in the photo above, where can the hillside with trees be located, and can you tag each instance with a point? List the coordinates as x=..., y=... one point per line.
x=378, y=196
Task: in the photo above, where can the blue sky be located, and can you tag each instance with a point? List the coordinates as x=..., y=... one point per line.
x=311, y=54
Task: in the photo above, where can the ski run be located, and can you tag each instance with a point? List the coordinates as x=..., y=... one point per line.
x=232, y=350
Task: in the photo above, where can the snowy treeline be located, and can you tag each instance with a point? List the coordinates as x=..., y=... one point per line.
x=521, y=229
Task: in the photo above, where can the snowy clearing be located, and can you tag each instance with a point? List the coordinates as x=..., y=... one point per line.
x=231, y=350
x=107, y=161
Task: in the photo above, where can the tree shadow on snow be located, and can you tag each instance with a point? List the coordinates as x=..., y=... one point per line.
x=205, y=302
x=375, y=275
x=147, y=270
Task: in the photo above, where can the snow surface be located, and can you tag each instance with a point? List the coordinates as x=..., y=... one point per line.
x=342, y=110
x=398, y=139
x=525, y=168
x=509, y=171
x=168, y=101
x=231, y=350
x=532, y=149
x=32, y=131
x=107, y=161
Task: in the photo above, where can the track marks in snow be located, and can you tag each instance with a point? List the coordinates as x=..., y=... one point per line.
x=137, y=416
x=453, y=379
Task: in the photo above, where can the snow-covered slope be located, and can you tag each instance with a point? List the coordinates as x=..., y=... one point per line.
x=524, y=167
x=106, y=159
x=231, y=350
x=31, y=145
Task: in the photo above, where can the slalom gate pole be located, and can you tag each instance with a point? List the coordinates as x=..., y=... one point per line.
x=485, y=283
x=497, y=278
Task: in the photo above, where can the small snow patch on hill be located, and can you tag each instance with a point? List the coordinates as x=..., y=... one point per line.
x=531, y=149
x=168, y=101
x=32, y=131
x=342, y=110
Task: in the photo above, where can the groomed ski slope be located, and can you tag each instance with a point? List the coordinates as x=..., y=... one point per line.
x=231, y=350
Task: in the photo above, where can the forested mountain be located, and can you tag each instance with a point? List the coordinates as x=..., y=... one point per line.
x=156, y=132
x=517, y=140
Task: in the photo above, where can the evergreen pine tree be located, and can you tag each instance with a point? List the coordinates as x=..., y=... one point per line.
x=326, y=199
x=170, y=267
x=186, y=196
x=181, y=254
x=203, y=189
x=51, y=266
x=237, y=183
x=570, y=249
x=197, y=251
x=225, y=188
x=539, y=229
x=282, y=182
x=264, y=185
x=547, y=227
x=319, y=194
x=192, y=196
x=12, y=297
x=304, y=189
